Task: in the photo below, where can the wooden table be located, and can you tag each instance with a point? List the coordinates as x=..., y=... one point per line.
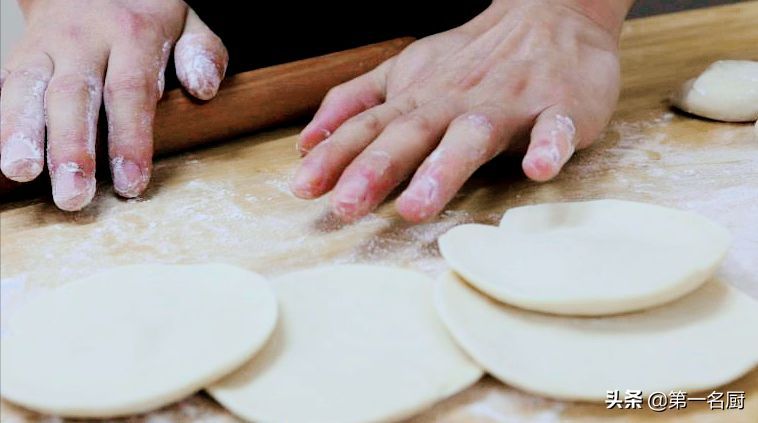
x=231, y=204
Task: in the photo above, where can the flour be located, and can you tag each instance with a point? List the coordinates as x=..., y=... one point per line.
x=514, y=406
x=256, y=223
x=196, y=66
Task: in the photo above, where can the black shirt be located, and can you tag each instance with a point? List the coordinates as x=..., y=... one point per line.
x=264, y=33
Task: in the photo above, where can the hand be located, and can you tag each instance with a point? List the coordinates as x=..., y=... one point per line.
x=77, y=54
x=452, y=101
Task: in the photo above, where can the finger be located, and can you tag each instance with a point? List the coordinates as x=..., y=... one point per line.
x=553, y=142
x=22, y=112
x=131, y=94
x=390, y=159
x=73, y=100
x=343, y=102
x=200, y=58
x=322, y=166
x=471, y=140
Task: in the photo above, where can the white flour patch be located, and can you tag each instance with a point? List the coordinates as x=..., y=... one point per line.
x=413, y=246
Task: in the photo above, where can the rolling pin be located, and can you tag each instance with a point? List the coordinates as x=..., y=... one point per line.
x=247, y=102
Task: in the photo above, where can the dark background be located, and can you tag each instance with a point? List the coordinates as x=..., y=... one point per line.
x=260, y=34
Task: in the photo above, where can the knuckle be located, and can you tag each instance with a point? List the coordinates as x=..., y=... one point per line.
x=481, y=123
x=404, y=105
x=74, y=85
x=68, y=141
x=517, y=86
x=37, y=68
x=335, y=93
x=486, y=143
x=135, y=25
x=129, y=85
x=369, y=122
x=376, y=164
x=30, y=73
x=414, y=122
x=74, y=32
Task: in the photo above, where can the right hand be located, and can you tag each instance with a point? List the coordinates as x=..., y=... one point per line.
x=75, y=55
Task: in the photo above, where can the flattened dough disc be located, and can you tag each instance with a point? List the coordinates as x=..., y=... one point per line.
x=587, y=258
x=134, y=338
x=727, y=90
x=699, y=342
x=355, y=344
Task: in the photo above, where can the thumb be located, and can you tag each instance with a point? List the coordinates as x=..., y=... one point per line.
x=200, y=58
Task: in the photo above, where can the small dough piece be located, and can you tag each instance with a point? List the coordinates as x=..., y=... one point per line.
x=697, y=343
x=134, y=338
x=727, y=90
x=587, y=258
x=355, y=343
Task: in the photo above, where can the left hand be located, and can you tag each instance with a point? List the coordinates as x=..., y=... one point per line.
x=451, y=102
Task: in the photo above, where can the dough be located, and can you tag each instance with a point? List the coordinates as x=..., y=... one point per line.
x=587, y=258
x=697, y=343
x=355, y=343
x=727, y=90
x=134, y=338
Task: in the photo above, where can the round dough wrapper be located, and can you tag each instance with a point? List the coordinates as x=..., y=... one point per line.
x=727, y=90
x=697, y=343
x=587, y=258
x=134, y=338
x=355, y=343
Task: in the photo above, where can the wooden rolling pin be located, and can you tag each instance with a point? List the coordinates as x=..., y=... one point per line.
x=248, y=101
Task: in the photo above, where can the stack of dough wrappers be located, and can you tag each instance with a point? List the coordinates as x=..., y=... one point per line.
x=566, y=301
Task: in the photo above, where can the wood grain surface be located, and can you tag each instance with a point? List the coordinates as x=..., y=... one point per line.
x=231, y=203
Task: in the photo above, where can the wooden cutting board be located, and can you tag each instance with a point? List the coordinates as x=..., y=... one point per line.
x=231, y=204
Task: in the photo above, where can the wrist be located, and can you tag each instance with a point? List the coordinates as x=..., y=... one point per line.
x=608, y=14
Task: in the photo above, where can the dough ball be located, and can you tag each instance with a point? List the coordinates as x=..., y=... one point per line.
x=727, y=91
x=697, y=343
x=355, y=344
x=134, y=338
x=587, y=258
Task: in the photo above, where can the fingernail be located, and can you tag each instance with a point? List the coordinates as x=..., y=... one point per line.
x=72, y=189
x=128, y=179
x=351, y=196
x=21, y=158
x=306, y=182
